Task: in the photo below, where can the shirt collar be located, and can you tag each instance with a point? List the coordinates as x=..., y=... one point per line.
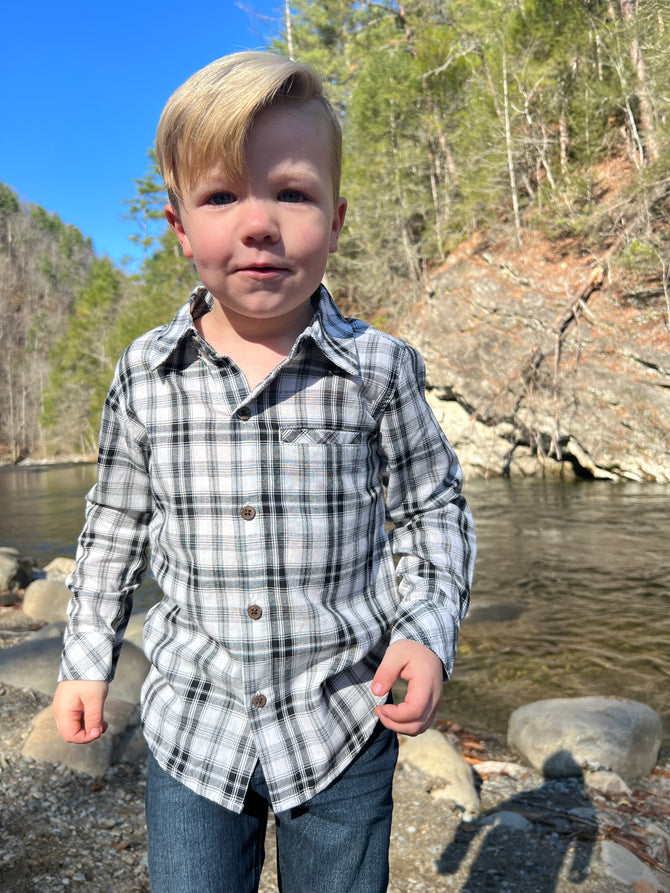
x=332, y=333
x=329, y=330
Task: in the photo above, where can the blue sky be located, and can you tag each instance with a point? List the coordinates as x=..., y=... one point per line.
x=82, y=85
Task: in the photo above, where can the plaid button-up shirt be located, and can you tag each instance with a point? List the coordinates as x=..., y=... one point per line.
x=265, y=513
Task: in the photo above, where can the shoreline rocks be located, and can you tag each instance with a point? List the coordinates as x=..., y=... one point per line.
x=16, y=572
x=469, y=812
x=564, y=736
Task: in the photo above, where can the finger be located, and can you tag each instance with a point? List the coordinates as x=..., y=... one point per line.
x=414, y=714
x=406, y=713
x=94, y=722
x=71, y=726
x=388, y=673
x=411, y=728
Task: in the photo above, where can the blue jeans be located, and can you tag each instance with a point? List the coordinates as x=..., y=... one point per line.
x=337, y=842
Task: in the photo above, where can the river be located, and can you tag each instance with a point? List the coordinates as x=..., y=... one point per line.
x=571, y=593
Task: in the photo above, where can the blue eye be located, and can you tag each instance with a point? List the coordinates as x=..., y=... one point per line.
x=291, y=195
x=221, y=198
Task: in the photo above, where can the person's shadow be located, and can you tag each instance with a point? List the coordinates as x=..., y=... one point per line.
x=529, y=837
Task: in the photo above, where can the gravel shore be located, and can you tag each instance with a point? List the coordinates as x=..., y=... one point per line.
x=65, y=831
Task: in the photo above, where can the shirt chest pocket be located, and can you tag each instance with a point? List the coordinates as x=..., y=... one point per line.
x=322, y=436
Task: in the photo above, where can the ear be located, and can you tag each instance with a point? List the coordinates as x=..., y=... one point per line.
x=337, y=224
x=177, y=227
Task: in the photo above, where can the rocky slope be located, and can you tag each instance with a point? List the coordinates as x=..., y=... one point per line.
x=544, y=360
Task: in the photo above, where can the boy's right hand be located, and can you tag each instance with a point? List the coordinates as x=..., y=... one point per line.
x=78, y=708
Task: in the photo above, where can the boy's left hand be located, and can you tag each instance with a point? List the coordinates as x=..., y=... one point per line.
x=421, y=668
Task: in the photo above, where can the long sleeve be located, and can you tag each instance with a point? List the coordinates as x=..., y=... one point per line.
x=433, y=536
x=111, y=553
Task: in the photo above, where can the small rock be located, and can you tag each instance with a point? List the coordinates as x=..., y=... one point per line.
x=508, y=819
x=620, y=864
x=47, y=600
x=435, y=755
x=487, y=768
x=16, y=571
x=60, y=568
x=607, y=783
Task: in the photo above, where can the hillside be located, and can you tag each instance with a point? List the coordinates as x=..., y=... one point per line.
x=550, y=358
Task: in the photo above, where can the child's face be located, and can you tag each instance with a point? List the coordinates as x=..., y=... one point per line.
x=261, y=243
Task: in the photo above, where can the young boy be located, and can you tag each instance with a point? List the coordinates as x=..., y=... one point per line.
x=258, y=444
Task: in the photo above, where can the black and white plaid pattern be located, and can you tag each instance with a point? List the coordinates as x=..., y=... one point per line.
x=265, y=514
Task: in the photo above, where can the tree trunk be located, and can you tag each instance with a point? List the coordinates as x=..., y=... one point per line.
x=647, y=123
x=510, y=155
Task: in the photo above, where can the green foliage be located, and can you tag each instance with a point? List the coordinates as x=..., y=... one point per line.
x=49, y=223
x=145, y=209
x=108, y=312
x=68, y=237
x=639, y=257
x=81, y=363
x=9, y=201
x=164, y=283
x=465, y=115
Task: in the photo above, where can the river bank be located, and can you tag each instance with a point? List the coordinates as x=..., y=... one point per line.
x=63, y=830
x=567, y=574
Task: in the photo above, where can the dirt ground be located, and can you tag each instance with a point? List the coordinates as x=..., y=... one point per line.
x=61, y=831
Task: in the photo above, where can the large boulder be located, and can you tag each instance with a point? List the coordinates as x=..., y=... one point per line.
x=543, y=364
x=563, y=736
x=45, y=744
x=34, y=665
x=47, y=600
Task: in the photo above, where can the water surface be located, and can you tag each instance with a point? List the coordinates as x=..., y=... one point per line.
x=571, y=594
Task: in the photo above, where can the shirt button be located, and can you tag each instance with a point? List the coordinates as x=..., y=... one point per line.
x=255, y=612
x=248, y=513
x=244, y=414
x=259, y=701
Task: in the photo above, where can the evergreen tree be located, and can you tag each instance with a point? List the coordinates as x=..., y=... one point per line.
x=9, y=201
x=145, y=209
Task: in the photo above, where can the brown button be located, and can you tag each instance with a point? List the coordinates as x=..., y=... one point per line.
x=255, y=612
x=248, y=513
x=244, y=413
x=259, y=701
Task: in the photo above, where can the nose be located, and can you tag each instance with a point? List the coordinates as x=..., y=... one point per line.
x=259, y=221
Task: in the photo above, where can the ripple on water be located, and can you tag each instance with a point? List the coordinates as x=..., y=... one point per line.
x=571, y=594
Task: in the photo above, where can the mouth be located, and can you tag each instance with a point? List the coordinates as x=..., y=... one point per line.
x=262, y=271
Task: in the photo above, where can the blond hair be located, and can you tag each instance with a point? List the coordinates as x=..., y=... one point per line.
x=206, y=121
